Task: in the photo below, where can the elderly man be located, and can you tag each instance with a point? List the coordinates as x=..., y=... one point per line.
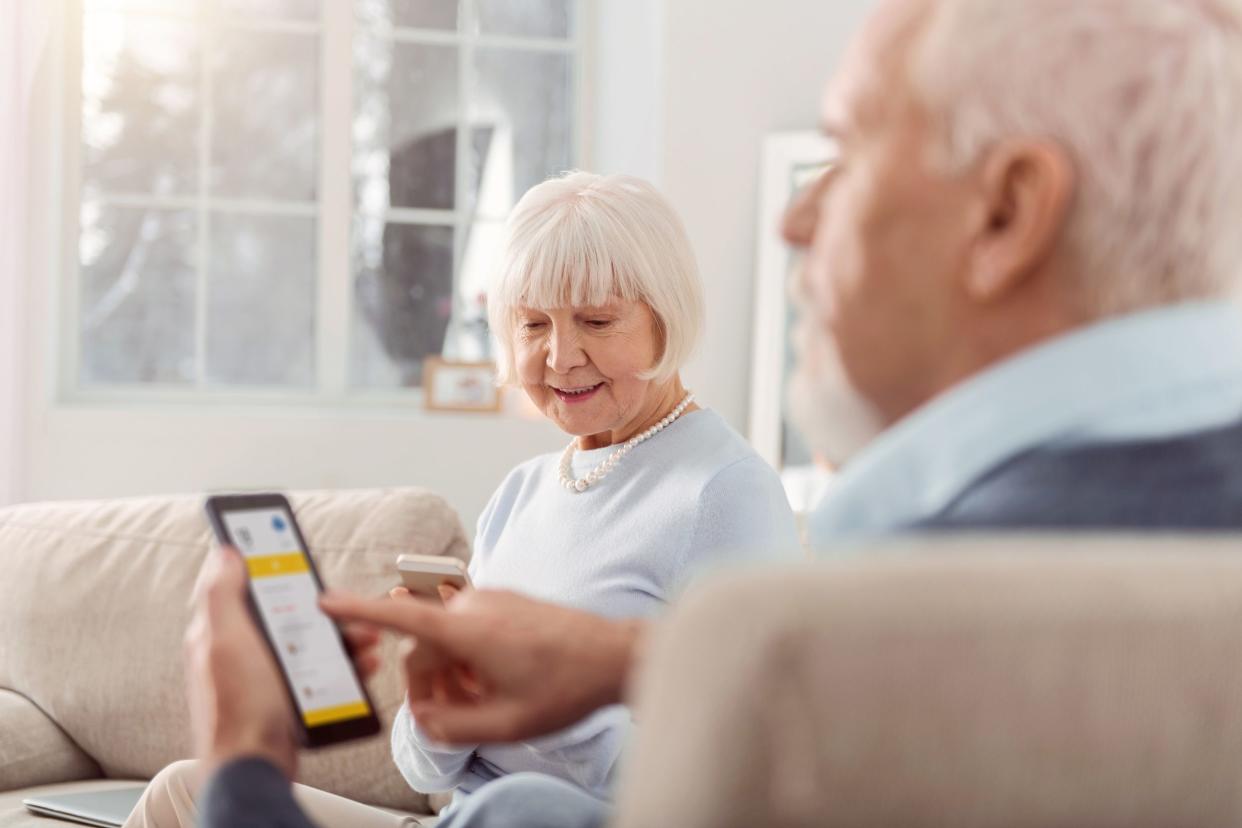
x=1014, y=300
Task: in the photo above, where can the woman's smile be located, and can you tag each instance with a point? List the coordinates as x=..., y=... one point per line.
x=577, y=394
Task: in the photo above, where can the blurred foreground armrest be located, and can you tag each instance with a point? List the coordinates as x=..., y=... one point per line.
x=960, y=682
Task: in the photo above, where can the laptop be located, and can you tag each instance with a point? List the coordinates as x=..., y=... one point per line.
x=106, y=809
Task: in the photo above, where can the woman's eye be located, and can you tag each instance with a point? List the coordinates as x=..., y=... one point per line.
x=532, y=326
x=599, y=323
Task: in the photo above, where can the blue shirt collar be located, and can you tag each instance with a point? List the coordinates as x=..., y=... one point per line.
x=1171, y=370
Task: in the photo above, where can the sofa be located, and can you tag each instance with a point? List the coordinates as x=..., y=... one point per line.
x=93, y=606
x=1025, y=682
x=1078, y=681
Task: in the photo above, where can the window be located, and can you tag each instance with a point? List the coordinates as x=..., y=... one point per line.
x=302, y=197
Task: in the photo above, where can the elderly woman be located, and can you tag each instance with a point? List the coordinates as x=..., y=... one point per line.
x=596, y=308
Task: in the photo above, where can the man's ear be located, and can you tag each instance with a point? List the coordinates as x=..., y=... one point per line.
x=1026, y=192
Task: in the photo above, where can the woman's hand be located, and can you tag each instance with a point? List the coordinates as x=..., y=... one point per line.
x=432, y=677
x=447, y=592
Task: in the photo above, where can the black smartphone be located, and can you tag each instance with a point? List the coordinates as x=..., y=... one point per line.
x=331, y=702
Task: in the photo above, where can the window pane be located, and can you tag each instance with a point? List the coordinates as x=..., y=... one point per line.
x=420, y=14
x=526, y=100
x=403, y=300
x=405, y=111
x=139, y=105
x=265, y=115
x=261, y=306
x=468, y=337
x=272, y=9
x=529, y=18
x=137, y=299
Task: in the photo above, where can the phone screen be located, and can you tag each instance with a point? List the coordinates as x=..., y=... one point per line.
x=319, y=671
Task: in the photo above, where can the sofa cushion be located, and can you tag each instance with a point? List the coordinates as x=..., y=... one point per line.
x=34, y=750
x=94, y=604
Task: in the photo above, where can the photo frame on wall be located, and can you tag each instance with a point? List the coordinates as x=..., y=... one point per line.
x=790, y=161
x=460, y=386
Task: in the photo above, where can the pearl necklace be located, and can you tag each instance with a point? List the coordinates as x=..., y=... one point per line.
x=597, y=474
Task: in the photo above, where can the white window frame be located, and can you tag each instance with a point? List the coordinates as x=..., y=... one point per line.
x=334, y=207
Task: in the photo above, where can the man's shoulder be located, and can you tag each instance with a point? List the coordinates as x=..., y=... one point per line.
x=1187, y=481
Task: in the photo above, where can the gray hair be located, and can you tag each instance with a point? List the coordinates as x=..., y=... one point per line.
x=581, y=239
x=1145, y=95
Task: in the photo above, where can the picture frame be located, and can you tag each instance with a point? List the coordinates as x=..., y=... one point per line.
x=789, y=162
x=464, y=387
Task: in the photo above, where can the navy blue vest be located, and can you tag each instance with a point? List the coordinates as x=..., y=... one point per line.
x=1188, y=482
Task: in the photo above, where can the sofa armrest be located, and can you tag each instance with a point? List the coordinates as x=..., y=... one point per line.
x=34, y=750
x=945, y=690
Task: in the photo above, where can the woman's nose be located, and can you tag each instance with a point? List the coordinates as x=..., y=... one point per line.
x=565, y=353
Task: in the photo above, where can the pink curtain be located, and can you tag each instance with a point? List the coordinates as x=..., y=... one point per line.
x=24, y=26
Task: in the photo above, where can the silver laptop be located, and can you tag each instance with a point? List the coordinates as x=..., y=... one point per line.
x=107, y=809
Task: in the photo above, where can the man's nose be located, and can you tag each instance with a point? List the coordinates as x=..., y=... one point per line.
x=802, y=214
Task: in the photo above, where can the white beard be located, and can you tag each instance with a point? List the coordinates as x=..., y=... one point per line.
x=833, y=418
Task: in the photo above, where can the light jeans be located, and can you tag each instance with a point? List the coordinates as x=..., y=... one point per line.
x=169, y=802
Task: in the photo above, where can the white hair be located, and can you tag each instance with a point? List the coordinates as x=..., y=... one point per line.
x=581, y=239
x=1146, y=97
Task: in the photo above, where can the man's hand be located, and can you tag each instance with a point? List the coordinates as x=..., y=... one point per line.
x=537, y=667
x=429, y=675
x=238, y=702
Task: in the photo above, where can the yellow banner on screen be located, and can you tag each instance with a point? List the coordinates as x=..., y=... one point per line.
x=328, y=715
x=269, y=566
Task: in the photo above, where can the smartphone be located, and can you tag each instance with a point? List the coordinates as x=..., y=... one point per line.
x=331, y=702
x=423, y=574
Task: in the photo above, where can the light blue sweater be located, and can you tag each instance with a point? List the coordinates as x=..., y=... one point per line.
x=694, y=497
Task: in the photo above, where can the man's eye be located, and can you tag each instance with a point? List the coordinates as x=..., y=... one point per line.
x=532, y=326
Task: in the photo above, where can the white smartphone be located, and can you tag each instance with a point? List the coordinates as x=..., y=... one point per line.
x=423, y=574
x=284, y=588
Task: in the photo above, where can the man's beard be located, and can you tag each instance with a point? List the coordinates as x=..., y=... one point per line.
x=833, y=418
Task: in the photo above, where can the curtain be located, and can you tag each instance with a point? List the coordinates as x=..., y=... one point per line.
x=24, y=26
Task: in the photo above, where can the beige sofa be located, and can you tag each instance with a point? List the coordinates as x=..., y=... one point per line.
x=93, y=605
x=1074, y=681
x=964, y=683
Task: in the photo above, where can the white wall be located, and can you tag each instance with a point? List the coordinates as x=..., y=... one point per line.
x=696, y=84
x=734, y=71
x=628, y=88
